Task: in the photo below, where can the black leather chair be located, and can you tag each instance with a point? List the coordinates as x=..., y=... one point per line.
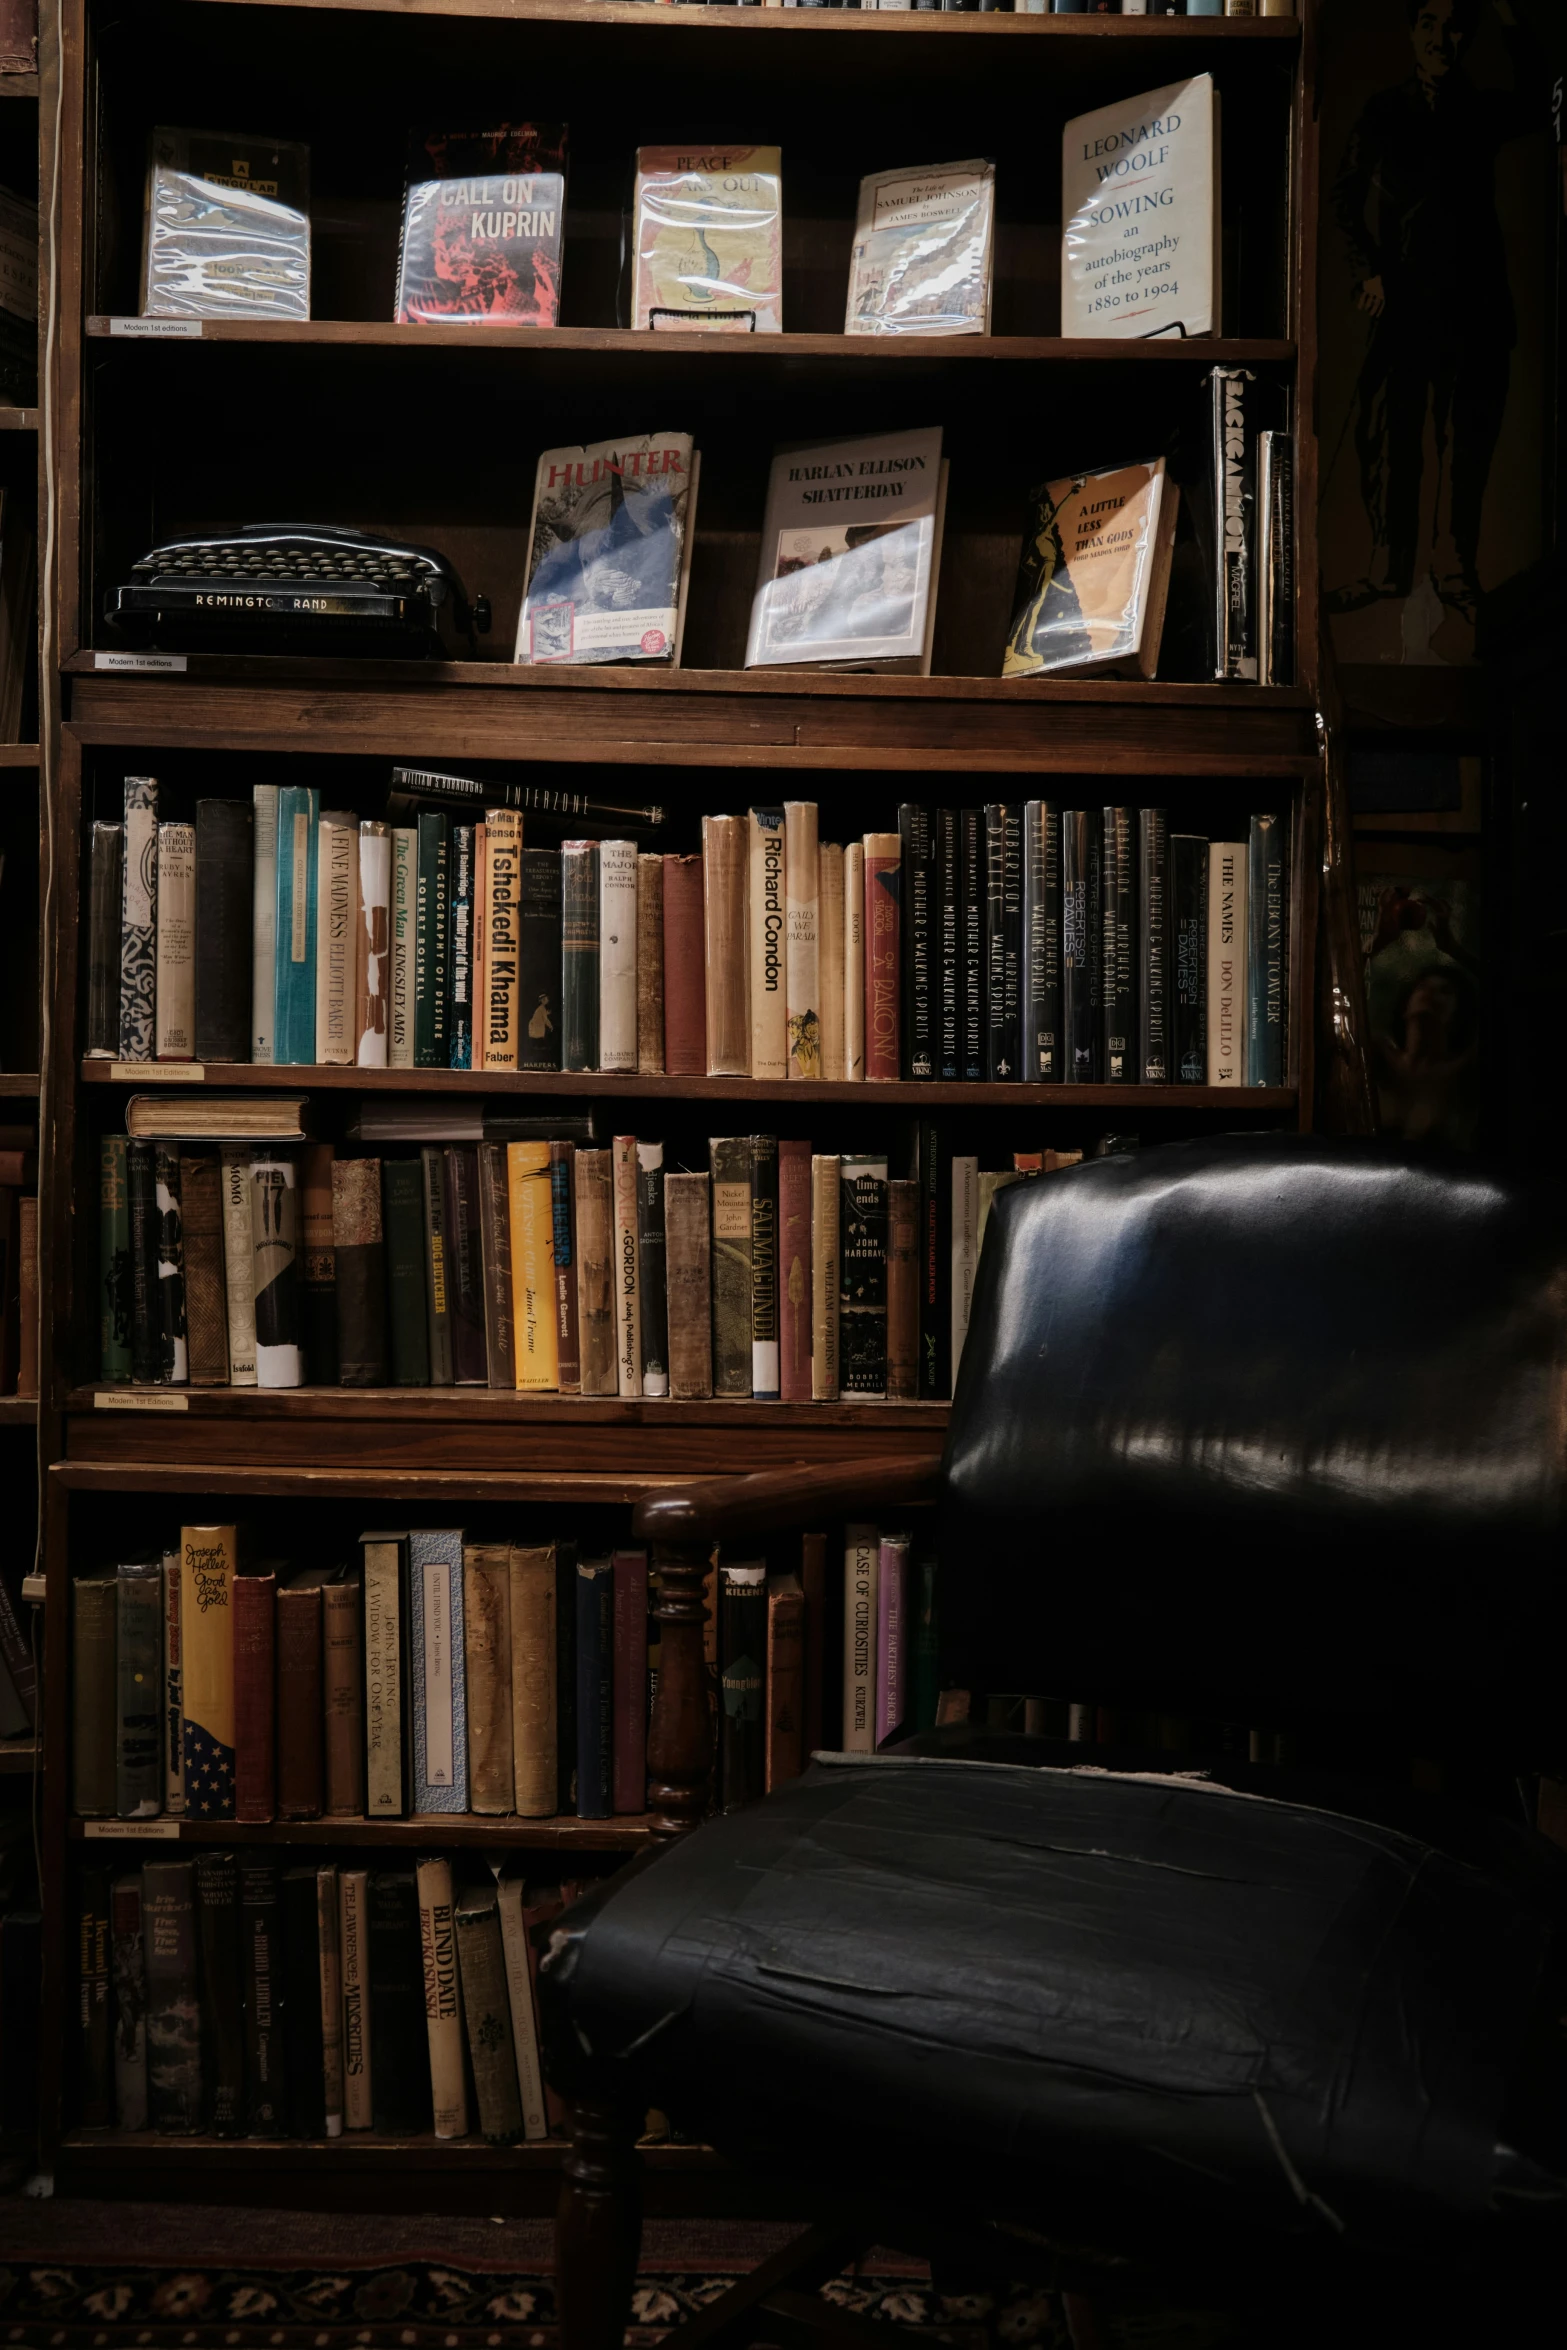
x=1258, y=1425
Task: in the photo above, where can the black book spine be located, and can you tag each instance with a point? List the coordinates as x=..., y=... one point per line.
x=266, y=2090
x=465, y=1267
x=1233, y=422
x=862, y=1258
x=302, y=2004
x=222, y=2013
x=764, y=1267
x=918, y=1026
x=742, y=1666
x=949, y=1025
x=935, y=1264
x=1119, y=959
x=399, y=2041
x=1003, y=941
x=402, y=1212
x=103, y=943
x=1080, y=943
x=437, y=1271
x=1042, y=942
x=224, y=862
x=1189, y=959
x=566, y=1674
x=651, y=1279
x=141, y=1183
x=972, y=993
x=173, y=1355
x=95, y=2048
x=1153, y=938
x=538, y=961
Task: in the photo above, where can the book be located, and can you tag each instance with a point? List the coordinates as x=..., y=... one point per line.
x=225, y=855
x=258, y=1699
x=114, y=1260
x=337, y=937
x=495, y=1254
x=617, y=932
x=933, y=1242
x=329, y=1959
x=404, y=918
x=650, y=964
x=830, y=950
x=892, y=1643
x=263, y=923
x=222, y=2014
x=279, y=1349
x=295, y=903
x=432, y=942
x=95, y=2068
x=964, y=1231
x=402, y=1215
x=766, y=936
x=730, y=1169
x=630, y=1677
x=486, y=1572
x=794, y=1271
x=201, y=1222
x=826, y=1275
x=437, y=1283
x=141, y=1185
x=726, y=973
x=301, y=1775
x=579, y=934
x=973, y=996
x=607, y=551
x=685, y=988
x=802, y=969
x=399, y=2042
x=353, y=1969
x=1094, y=574
x=1153, y=935
x=566, y=1673
x=707, y=240
x=359, y=1259
x=1118, y=948
x=299, y=1902
x=595, y=1706
x=174, y=2085
x=784, y=1704
x=438, y=1685
x=742, y=1605
x=862, y=1246
x=1214, y=630
x=487, y=2015
x=128, y=1977
x=373, y=947
x=173, y=1686
x=1082, y=943
x=903, y=1303
x=532, y=1578
x=536, y=990
x=883, y=878
x=1226, y=974
x=947, y=944
x=861, y=1571
x=169, y=1261
x=208, y=1559
x=519, y=1994
x=652, y=1272
x=1040, y=1020
x=764, y=1267
x=138, y=1727
x=261, y=1985
x=688, y=1273
x=342, y=1698
x=1003, y=940
x=593, y=1185
x=464, y=1266
x=1189, y=957
x=442, y=1998
x=924, y=1646
x=917, y=1011
x=317, y=1265
x=923, y=253
x=226, y=229
x=104, y=898
x=532, y=1266
x=139, y=920
x=500, y=890
x=847, y=569
x=1267, y=980
x=1140, y=214
x=563, y=1254
x=386, y=1710
x=482, y=227
x=1275, y=565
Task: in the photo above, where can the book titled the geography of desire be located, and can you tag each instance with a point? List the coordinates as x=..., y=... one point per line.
x=609, y=551
x=1095, y=573
x=1140, y=200
x=923, y=248
x=851, y=550
x=483, y=217
x=708, y=241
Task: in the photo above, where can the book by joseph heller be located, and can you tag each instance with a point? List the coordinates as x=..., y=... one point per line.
x=483, y=221
x=607, y=559
x=1094, y=574
x=851, y=549
x=708, y=252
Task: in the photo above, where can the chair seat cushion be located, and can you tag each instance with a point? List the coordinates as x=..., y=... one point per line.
x=1271, y=2014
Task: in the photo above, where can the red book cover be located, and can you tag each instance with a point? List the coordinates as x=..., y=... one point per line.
x=794, y=1272
x=630, y=1705
x=483, y=222
x=685, y=969
x=300, y=1773
x=882, y=876
x=255, y=1604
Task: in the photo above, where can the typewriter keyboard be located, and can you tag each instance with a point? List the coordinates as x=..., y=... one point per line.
x=308, y=565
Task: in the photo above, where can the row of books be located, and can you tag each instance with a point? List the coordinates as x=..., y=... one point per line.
x=1025, y=942
x=229, y=1995
x=778, y=1273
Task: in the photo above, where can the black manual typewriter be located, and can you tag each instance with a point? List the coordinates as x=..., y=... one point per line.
x=298, y=588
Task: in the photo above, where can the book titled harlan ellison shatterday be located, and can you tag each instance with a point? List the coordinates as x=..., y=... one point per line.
x=483, y=218
x=609, y=552
x=851, y=551
x=1094, y=574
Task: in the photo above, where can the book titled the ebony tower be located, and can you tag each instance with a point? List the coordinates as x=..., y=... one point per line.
x=482, y=224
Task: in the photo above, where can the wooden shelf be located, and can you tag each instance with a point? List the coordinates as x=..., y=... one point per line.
x=501, y=1406
x=1145, y=31
x=21, y=755
x=18, y=1757
x=18, y=1411
x=443, y=1831
x=355, y=2150
x=18, y=1083
x=18, y=420
x=19, y=85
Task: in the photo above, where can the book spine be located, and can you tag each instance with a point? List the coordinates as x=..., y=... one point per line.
x=1226, y=976
x=222, y=2014
x=207, y=1559
x=487, y=2016
x=829, y=884
x=175, y=1026
x=730, y=1168
x=784, y=1708
x=883, y=889
x=174, y=1350
x=1234, y=424
x=593, y=1180
x=464, y=1271
x=95, y=1697
x=359, y=1259
x=595, y=1709
x=266, y=2084
x=201, y=1222
x=534, y=1726
x=317, y=1265
x=263, y=924
x=892, y=1649
x=926, y=1650
x=532, y=1266
x=172, y=1688
x=386, y=1636
x=861, y=1562
x=630, y=1680
x=524, y=2022
x=129, y=1973
x=802, y=950
x=563, y=1250
x=405, y=912
x=373, y=945
x=358, y=2086
x=486, y=1569
x=1267, y=982
x=174, y=2088
x=301, y=1775
x=688, y=1269
x=279, y=1351
x=935, y=1262
x=903, y=1297
x=141, y=1187
x=1119, y=950
x=566, y=1673
x=862, y=1244
x=294, y=960
x=459, y=950
x=337, y=939
x=767, y=933
x=1189, y=926
x=495, y=1247
x=685, y=977
x=255, y=1682
x=579, y=945
x=764, y=1268
x=1153, y=933
x=432, y=981
x=303, y=2053
x=343, y=1701
x=329, y=1959
x=1276, y=543
x=1003, y=940
x=402, y=1216
x=617, y=927
x=972, y=993
x=794, y=1272
x=436, y=1652
x=104, y=895
x=114, y=1260
x=225, y=856
x=652, y=1285
x=1081, y=924
x=93, y=1941
x=650, y=965
x=1041, y=1023
x=946, y=919
x=854, y=963
x=501, y=885
x=918, y=1010
x=725, y=991
x=965, y=1250
x=742, y=1640
x=628, y=1293
x=138, y=1768
x=826, y=1276
x=437, y=1291
x=139, y=920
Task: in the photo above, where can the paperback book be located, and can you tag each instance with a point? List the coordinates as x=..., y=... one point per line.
x=851, y=551
x=708, y=241
x=609, y=552
x=1140, y=203
x=1094, y=574
x=923, y=252
x=483, y=222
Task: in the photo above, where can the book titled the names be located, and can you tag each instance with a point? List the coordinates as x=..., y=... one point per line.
x=1140, y=203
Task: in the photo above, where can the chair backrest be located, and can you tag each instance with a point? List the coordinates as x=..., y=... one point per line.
x=1266, y=1415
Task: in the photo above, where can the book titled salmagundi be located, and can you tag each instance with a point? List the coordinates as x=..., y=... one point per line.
x=708, y=241
x=923, y=246
x=483, y=217
x=1140, y=200
x=851, y=548
x=609, y=551
x=1094, y=574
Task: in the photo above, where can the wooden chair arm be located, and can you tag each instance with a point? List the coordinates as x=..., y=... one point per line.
x=731, y=1509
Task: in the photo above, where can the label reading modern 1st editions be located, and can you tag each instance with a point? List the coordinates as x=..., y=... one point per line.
x=122, y=1831
x=140, y=1399
x=156, y=330
x=157, y=1072
x=167, y=662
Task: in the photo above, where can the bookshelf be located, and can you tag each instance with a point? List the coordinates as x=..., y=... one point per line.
x=434, y=432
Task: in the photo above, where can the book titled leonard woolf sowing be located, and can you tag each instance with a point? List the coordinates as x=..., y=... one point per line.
x=851, y=550
x=1140, y=200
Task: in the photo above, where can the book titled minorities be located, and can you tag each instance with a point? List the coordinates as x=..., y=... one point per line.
x=483, y=220
x=851, y=548
x=609, y=552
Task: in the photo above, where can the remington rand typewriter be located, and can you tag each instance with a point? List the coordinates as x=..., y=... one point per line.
x=298, y=588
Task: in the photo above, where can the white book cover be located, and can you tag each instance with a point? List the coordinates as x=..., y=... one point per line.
x=765, y=869
x=854, y=962
x=176, y=1021
x=1227, y=933
x=405, y=906
x=846, y=572
x=519, y=1994
x=239, y=1263
x=802, y=873
x=861, y=1564
x=965, y=1250
x=337, y=936
x=263, y=922
x=606, y=547
x=618, y=957
x=375, y=915
x=923, y=251
x=280, y=1360
x=1140, y=203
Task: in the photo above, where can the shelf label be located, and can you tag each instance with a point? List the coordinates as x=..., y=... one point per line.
x=157, y=330
x=157, y=1072
x=140, y=1399
x=164, y=661
x=124, y=1831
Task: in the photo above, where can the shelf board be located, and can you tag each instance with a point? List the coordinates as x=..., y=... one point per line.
x=500, y=1406
x=914, y=24
x=365, y=2150
x=18, y=1082
x=19, y=85
x=18, y=1411
x=18, y=1757
x=458, y=1831
x=19, y=755
x=18, y=420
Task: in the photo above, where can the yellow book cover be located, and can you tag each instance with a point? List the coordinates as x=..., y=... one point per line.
x=208, y=1557
x=532, y=1264
x=1094, y=574
x=500, y=885
x=709, y=240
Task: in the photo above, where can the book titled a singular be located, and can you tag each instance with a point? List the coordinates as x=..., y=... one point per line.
x=609, y=552
x=227, y=227
x=1094, y=574
x=851, y=550
x=923, y=252
x=708, y=241
x=1140, y=203
x=483, y=219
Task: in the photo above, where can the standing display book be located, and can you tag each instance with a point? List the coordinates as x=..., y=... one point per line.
x=707, y=241
x=226, y=233
x=1095, y=573
x=851, y=554
x=609, y=552
x=924, y=251
x=1140, y=203
x=483, y=221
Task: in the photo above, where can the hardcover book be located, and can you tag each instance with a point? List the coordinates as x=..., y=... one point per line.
x=607, y=560
x=483, y=223
x=1094, y=574
x=174, y=2098
x=224, y=859
x=851, y=545
x=923, y=252
x=438, y=1678
x=139, y=919
x=862, y=1324
x=1141, y=214
x=207, y=1567
x=226, y=233
x=708, y=241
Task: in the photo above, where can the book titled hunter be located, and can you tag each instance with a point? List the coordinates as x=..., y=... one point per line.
x=1094, y=574
x=608, y=547
x=850, y=553
x=483, y=221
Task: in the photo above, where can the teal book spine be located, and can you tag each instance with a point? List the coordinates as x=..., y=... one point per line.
x=432, y=945
x=294, y=977
x=1267, y=958
x=114, y=1259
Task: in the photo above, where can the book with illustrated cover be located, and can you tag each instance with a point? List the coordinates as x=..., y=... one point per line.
x=708, y=241
x=609, y=552
x=1140, y=207
x=226, y=232
x=924, y=249
x=1094, y=574
x=483, y=222
x=851, y=550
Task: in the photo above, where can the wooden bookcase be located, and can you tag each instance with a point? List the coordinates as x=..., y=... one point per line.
x=434, y=433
